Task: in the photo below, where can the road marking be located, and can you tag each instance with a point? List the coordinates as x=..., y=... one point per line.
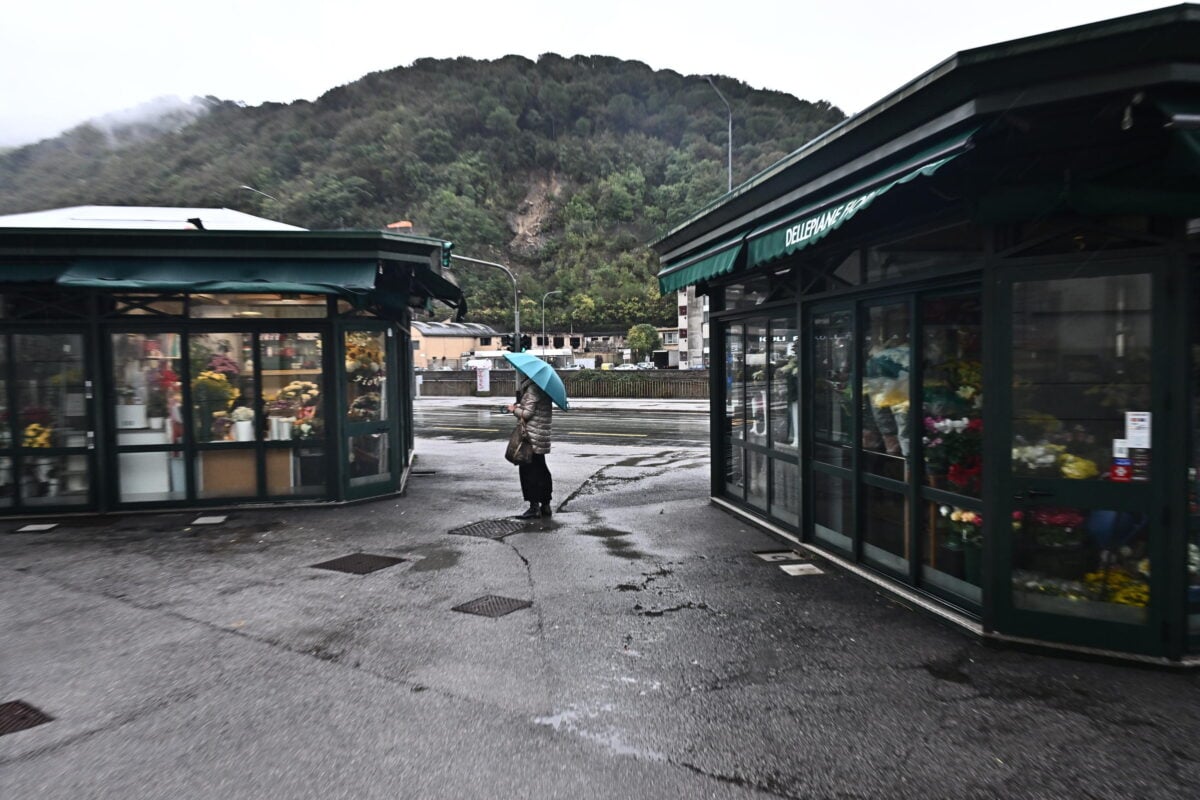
x=598, y=433
x=449, y=428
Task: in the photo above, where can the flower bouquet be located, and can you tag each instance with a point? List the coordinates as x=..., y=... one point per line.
x=300, y=393
x=363, y=354
x=307, y=429
x=37, y=435
x=365, y=407
x=212, y=394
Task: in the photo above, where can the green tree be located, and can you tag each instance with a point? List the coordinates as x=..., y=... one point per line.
x=643, y=340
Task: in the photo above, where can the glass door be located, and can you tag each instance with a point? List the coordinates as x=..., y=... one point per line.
x=46, y=432
x=370, y=431
x=1083, y=413
x=148, y=418
x=886, y=525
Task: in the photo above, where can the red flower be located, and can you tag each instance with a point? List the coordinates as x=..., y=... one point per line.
x=966, y=475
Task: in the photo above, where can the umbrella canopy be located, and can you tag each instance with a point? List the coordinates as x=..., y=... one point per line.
x=543, y=375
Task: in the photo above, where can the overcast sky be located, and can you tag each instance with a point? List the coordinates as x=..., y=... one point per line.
x=64, y=61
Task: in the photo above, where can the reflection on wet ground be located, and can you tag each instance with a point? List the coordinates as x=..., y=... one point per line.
x=474, y=424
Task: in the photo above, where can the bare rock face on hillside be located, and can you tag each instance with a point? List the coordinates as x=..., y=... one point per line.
x=526, y=223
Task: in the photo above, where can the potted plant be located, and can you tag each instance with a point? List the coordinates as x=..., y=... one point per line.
x=156, y=409
x=212, y=393
x=243, y=423
x=131, y=411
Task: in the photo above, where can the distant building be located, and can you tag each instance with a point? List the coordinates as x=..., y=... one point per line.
x=450, y=344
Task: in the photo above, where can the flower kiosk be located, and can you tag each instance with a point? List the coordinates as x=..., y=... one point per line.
x=146, y=369
x=990, y=281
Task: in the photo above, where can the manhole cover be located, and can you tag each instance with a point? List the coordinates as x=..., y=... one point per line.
x=359, y=563
x=491, y=528
x=492, y=606
x=17, y=716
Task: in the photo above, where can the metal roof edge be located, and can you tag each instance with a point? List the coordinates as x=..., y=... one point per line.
x=980, y=56
x=182, y=243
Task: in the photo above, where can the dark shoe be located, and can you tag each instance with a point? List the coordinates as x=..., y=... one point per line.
x=530, y=513
x=545, y=509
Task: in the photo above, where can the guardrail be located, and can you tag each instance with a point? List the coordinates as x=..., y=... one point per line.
x=651, y=384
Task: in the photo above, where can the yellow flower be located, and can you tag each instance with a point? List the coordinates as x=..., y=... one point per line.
x=37, y=435
x=1076, y=467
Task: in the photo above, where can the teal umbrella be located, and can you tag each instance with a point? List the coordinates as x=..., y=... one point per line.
x=543, y=375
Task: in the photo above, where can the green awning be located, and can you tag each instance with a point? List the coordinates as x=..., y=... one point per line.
x=428, y=283
x=32, y=272
x=715, y=261
x=349, y=279
x=797, y=230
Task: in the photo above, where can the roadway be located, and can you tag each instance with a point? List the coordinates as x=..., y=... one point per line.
x=484, y=422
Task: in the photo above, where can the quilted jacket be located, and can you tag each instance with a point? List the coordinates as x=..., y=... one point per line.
x=533, y=406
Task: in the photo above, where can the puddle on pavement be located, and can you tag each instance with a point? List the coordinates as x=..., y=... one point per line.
x=434, y=559
x=616, y=544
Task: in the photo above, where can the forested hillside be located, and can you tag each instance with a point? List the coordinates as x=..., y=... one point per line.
x=564, y=168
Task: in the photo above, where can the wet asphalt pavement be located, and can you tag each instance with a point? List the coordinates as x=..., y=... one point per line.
x=659, y=658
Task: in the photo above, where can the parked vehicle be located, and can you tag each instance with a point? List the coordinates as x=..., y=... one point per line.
x=625, y=367
x=646, y=365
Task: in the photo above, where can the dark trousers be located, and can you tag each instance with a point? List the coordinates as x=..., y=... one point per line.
x=536, y=483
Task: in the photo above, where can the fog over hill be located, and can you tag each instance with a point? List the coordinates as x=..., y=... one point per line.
x=563, y=168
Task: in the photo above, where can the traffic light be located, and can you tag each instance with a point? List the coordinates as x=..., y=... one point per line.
x=446, y=248
x=506, y=342
x=526, y=343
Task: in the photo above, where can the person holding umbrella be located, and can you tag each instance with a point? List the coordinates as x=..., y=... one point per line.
x=537, y=385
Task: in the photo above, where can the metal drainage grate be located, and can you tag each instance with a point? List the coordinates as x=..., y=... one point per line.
x=359, y=563
x=491, y=528
x=17, y=716
x=492, y=606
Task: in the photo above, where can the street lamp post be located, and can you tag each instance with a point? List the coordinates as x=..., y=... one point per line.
x=516, y=298
x=547, y=294
x=730, y=134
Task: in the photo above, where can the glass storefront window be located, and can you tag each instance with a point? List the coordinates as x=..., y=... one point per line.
x=146, y=375
x=952, y=392
x=257, y=306
x=234, y=473
x=368, y=459
x=756, y=382
x=140, y=305
x=953, y=550
x=1082, y=562
x=222, y=384
x=292, y=388
x=833, y=510
x=885, y=524
x=833, y=372
x=734, y=420
x=1193, y=543
x=1081, y=360
x=747, y=295
x=785, y=383
x=51, y=412
x=366, y=376
x=885, y=390
x=785, y=491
